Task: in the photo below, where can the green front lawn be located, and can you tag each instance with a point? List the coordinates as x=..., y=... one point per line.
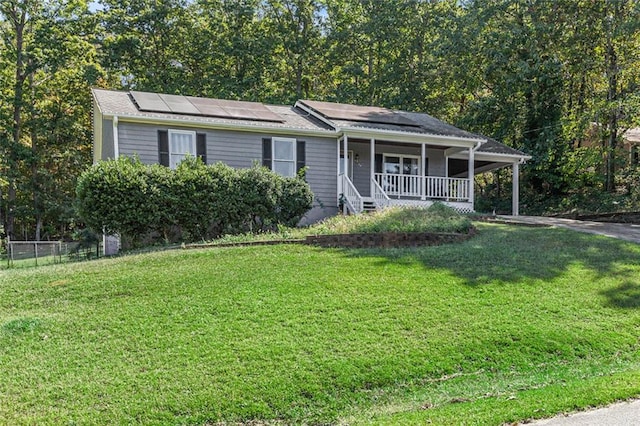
x=513, y=324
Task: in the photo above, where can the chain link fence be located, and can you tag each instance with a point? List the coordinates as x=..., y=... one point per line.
x=19, y=254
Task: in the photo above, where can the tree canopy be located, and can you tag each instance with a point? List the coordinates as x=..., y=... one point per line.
x=558, y=80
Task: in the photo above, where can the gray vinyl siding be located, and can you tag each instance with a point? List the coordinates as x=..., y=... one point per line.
x=108, y=150
x=241, y=150
x=322, y=175
x=140, y=140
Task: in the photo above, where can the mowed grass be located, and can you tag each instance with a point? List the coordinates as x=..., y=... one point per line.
x=515, y=323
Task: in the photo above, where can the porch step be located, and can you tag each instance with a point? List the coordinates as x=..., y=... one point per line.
x=368, y=204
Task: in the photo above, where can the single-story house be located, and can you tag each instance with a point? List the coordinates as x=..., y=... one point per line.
x=357, y=157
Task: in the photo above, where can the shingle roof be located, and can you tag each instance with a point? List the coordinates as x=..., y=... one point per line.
x=335, y=118
x=492, y=146
x=120, y=103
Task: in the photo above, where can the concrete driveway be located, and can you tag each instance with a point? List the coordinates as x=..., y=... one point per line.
x=623, y=231
x=620, y=414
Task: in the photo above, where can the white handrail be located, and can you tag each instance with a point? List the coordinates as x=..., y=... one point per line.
x=379, y=196
x=351, y=196
x=434, y=186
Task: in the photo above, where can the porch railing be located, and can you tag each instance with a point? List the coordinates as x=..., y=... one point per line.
x=421, y=186
x=379, y=196
x=351, y=196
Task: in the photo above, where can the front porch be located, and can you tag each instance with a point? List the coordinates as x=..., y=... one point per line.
x=383, y=173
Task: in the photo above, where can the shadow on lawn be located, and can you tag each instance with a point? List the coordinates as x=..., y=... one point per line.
x=512, y=253
x=627, y=295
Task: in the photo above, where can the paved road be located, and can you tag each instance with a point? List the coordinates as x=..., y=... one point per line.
x=623, y=231
x=621, y=414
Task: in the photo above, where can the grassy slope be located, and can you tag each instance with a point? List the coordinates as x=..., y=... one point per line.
x=515, y=323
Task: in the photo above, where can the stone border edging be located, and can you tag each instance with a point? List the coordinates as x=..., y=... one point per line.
x=362, y=240
x=388, y=239
x=242, y=243
x=492, y=219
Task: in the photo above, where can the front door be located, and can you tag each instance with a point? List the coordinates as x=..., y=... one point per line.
x=349, y=164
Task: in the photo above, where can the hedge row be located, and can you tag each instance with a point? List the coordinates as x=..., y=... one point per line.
x=192, y=202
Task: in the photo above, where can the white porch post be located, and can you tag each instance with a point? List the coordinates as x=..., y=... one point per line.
x=345, y=156
x=372, y=166
x=423, y=192
x=471, y=172
x=338, y=178
x=515, y=209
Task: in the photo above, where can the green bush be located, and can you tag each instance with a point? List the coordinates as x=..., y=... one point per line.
x=193, y=202
x=295, y=201
x=115, y=196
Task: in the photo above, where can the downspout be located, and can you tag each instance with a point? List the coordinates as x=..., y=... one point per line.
x=116, y=148
x=338, y=177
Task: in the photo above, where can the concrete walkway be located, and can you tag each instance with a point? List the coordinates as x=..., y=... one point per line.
x=620, y=414
x=623, y=231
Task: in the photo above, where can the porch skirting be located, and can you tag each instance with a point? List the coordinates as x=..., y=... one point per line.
x=459, y=206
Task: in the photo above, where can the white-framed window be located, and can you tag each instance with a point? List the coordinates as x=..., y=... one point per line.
x=284, y=156
x=181, y=144
x=402, y=164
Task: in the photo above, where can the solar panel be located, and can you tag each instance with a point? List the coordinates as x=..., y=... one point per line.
x=204, y=107
x=360, y=113
x=149, y=102
x=208, y=107
x=179, y=104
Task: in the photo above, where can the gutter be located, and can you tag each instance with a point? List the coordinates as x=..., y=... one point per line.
x=410, y=137
x=181, y=122
x=116, y=147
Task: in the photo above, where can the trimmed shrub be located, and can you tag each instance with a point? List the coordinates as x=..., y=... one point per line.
x=296, y=200
x=115, y=196
x=193, y=202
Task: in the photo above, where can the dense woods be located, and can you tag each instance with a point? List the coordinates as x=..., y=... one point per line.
x=558, y=80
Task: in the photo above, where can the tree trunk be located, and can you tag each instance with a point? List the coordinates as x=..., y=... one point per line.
x=18, y=19
x=611, y=58
x=35, y=185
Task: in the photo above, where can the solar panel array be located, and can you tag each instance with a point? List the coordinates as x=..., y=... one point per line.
x=359, y=113
x=188, y=105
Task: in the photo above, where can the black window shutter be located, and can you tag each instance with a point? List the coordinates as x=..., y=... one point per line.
x=201, y=147
x=266, y=152
x=378, y=163
x=163, y=147
x=301, y=156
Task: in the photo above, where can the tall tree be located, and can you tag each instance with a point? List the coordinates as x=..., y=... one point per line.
x=297, y=28
x=142, y=43
x=46, y=46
